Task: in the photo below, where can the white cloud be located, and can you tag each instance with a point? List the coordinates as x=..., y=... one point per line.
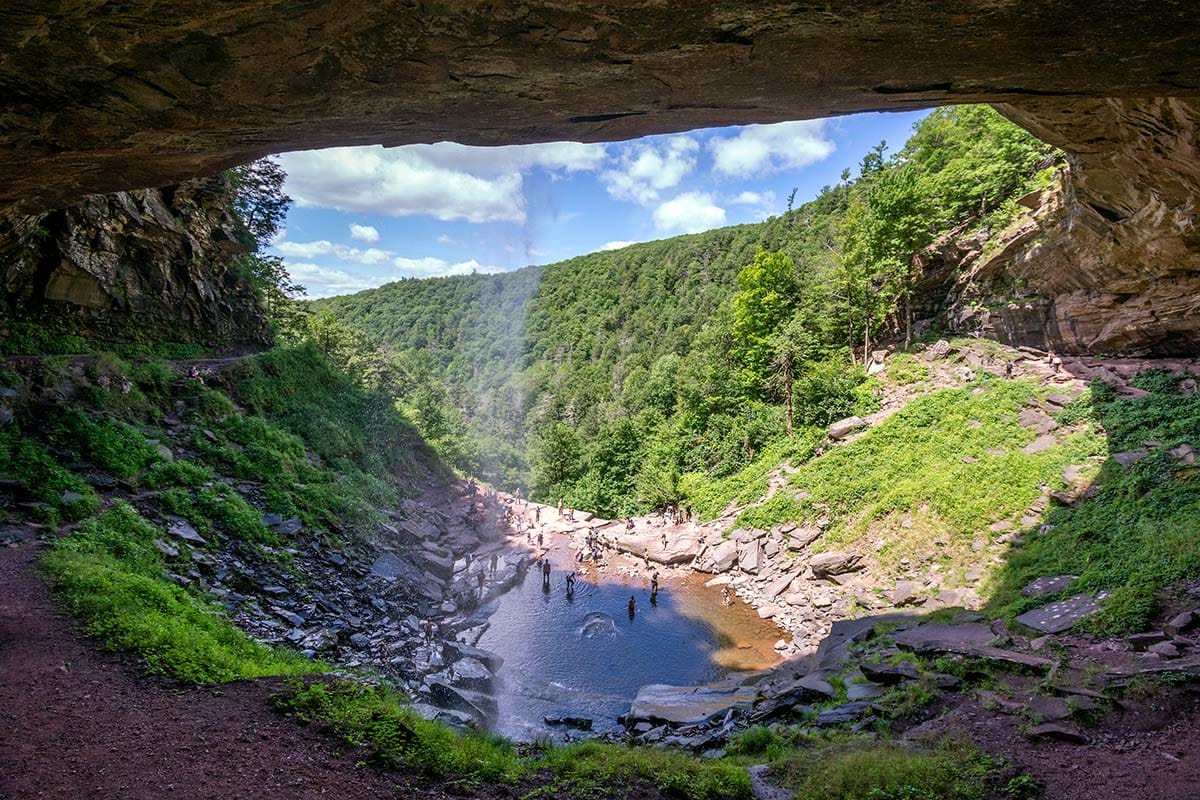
x=646, y=168
x=447, y=181
x=763, y=148
x=690, y=212
x=444, y=239
x=364, y=233
x=754, y=199
x=322, y=247
x=321, y=281
x=616, y=245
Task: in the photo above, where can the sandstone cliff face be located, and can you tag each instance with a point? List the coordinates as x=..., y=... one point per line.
x=1108, y=260
x=98, y=97
x=150, y=264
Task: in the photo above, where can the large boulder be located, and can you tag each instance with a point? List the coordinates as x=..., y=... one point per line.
x=844, y=427
x=720, y=558
x=836, y=562
x=689, y=705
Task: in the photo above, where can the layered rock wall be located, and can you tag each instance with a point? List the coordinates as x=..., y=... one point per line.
x=98, y=97
x=149, y=264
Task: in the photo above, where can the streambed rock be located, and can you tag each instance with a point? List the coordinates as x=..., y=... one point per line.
x=689, y=705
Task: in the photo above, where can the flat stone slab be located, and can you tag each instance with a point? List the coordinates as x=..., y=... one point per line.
x=1040, y=444
x=1061, y=731
x=934, y=636
x=1129, y=458
x=848, y=712
x=181, y=529
x=1048, y=585
x=689, y=705
x=1061, y=615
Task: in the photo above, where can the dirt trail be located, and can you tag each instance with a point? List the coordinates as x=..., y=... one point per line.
x=75, y=723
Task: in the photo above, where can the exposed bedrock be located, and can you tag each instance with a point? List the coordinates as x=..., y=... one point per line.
x=101, y=96
x=147, y=264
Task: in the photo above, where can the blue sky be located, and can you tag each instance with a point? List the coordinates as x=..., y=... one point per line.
x=365, y=216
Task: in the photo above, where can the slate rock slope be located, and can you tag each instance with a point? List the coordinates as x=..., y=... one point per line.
x=148, y=264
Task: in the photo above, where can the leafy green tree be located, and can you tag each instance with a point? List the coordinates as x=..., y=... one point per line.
x=259, y=200
x=767, y=289
x=556, y=459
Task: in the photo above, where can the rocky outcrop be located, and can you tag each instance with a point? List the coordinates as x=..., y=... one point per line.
x=1108, y=260
x=100, y=98
x=150, y=264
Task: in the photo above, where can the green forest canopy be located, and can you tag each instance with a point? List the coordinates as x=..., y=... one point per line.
x=606, y=378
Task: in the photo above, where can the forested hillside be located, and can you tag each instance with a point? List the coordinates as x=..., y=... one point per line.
x=606, y=379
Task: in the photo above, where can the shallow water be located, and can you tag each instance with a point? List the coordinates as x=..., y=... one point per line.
x=584, y=656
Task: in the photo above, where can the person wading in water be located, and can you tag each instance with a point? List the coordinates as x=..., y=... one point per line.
x=654, y=589
x=632, y=606
x=546, y=575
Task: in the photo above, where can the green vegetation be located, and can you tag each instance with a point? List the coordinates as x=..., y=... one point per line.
x=109, y=574
x=381, y=719
x=1140, y=533
x=887, y=771
x=915, y=460
x=627, y=379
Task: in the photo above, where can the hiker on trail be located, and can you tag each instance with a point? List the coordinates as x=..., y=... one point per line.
x=428, y=627
x=632, y=606
x=494, y=561
x=194, y=374
x=725, y=598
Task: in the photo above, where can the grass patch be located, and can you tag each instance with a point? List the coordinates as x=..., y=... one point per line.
x=914, y=460
x=886, y=771
x=711, y=496
x=904, y=369
x=48, y=482
x=381, y=719
x=1140, y=533
x=590, y=768
x=111, y=577
x=112, y=445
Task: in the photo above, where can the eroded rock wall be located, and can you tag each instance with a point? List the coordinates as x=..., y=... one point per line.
x=99, y=96
x=1108, y=262
x=149, y=264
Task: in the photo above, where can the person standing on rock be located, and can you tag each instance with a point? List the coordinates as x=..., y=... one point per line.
x=664, y=541
x=537, y=514
x=494, y=561
x=541, y=539
x=1008, y=370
